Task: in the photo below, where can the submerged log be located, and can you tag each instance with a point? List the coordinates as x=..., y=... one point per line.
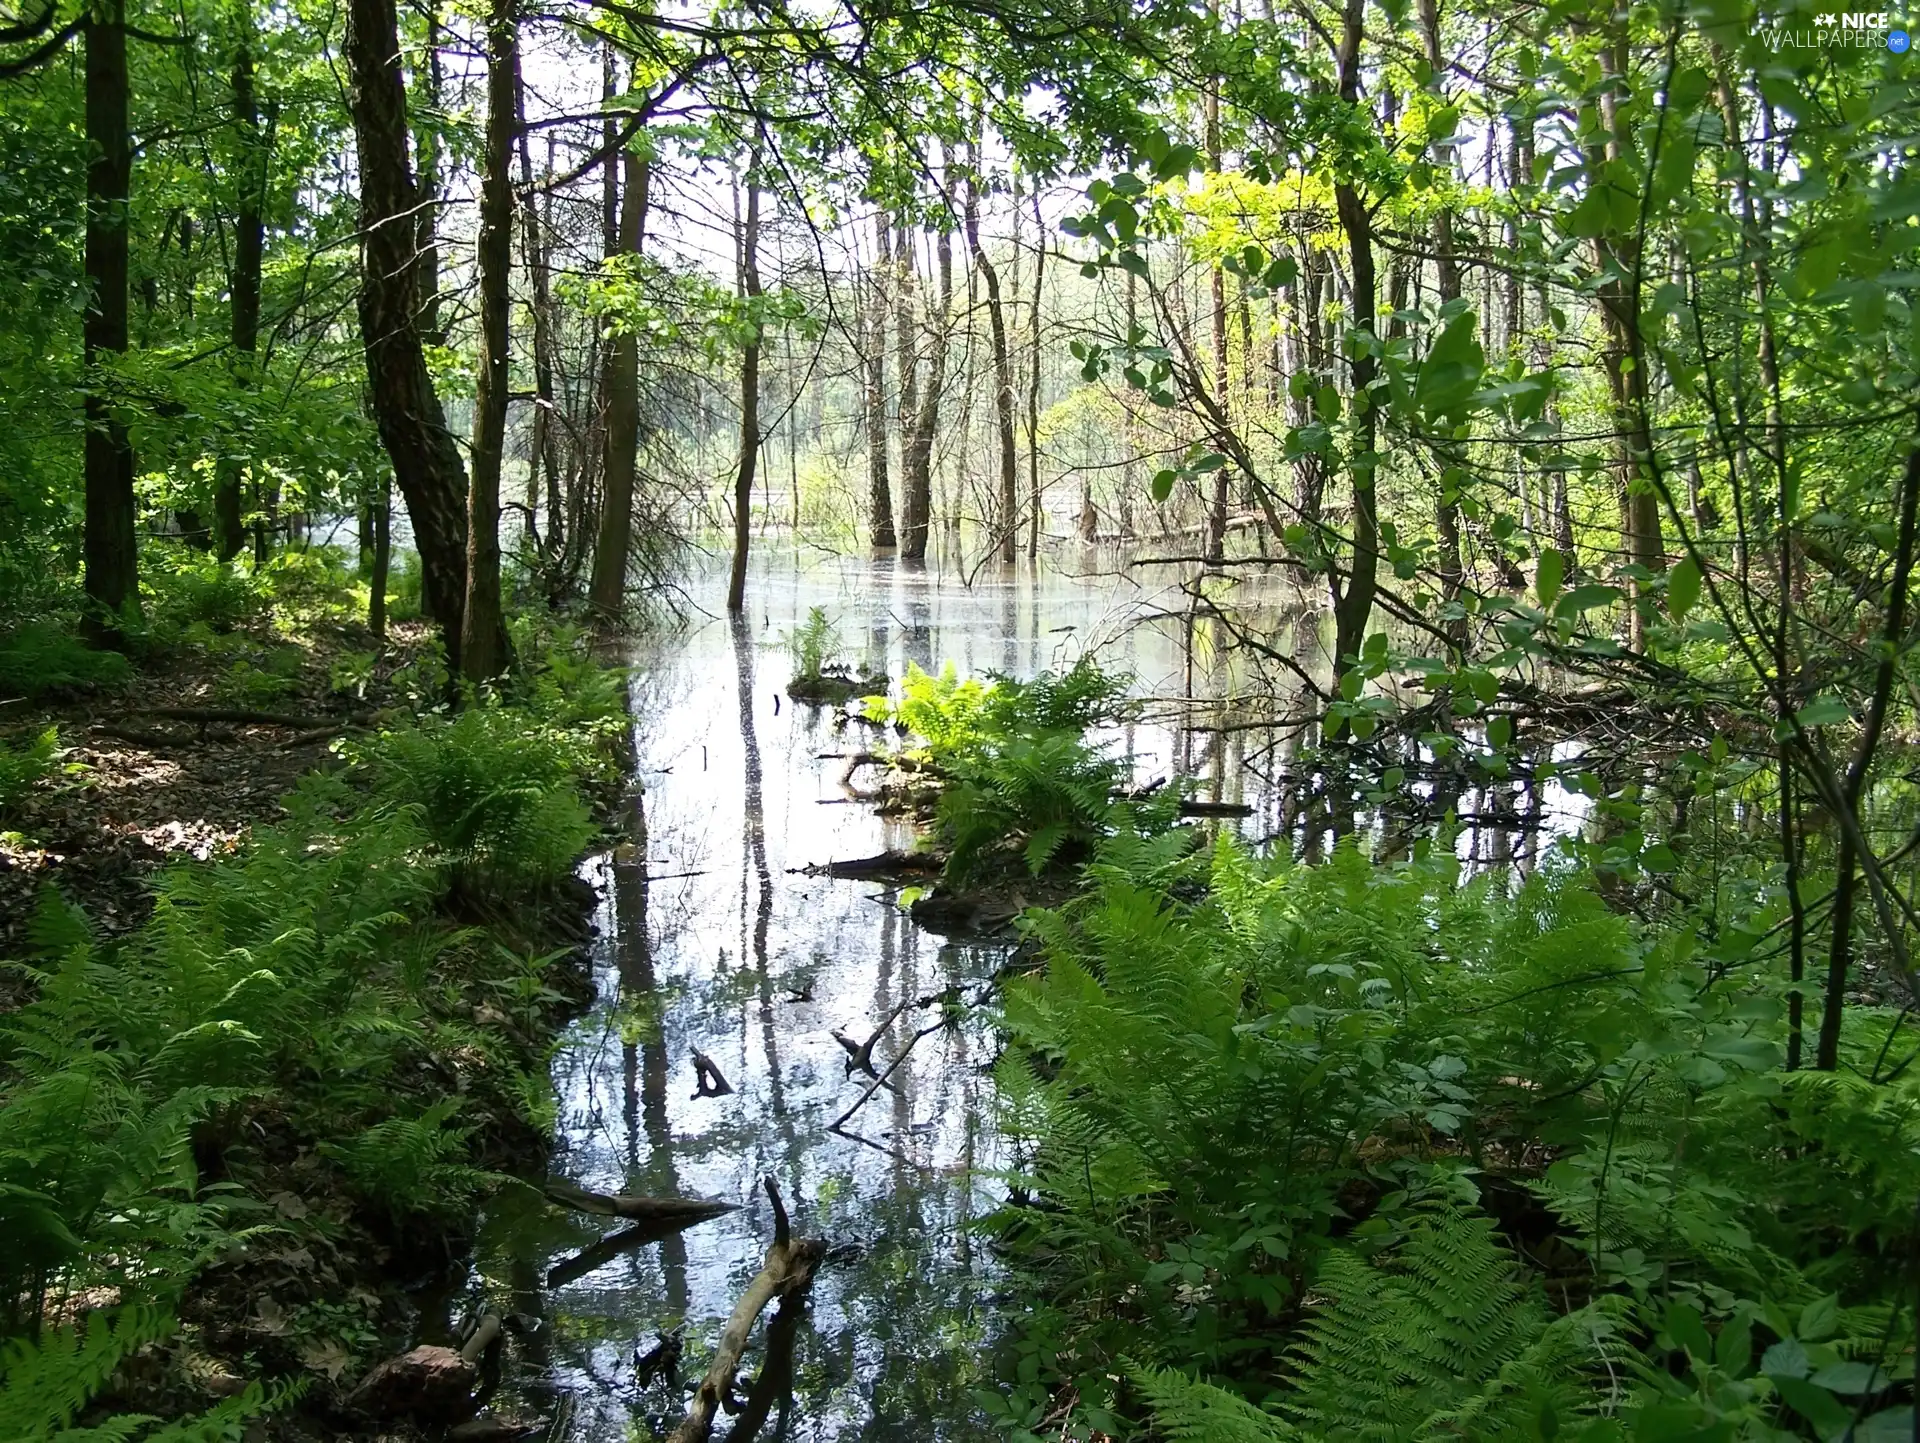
x=683, y=1211
x=1215, y=809
x=787, y=1272
x=881, y=865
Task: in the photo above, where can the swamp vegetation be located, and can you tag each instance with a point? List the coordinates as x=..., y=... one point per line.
x=1072, y=720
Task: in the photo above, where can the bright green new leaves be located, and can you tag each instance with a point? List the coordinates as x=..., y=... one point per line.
x=1452, y=371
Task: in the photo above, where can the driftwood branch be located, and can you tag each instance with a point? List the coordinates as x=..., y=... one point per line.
x=787, y=1272
x=683, y=1210
x=709, y=1080
x=881, y=865
x=881, y=1080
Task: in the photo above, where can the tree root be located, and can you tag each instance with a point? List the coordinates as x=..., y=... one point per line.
x=787, y=1272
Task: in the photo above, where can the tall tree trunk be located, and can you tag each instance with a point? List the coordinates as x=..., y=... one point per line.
x=1447, y=274
x=1618, y=257
x=543, y=451
x=607, y=589
x=1009, y=509
x=1089, y=518
x=426, y=463
x=249, y=251
x=483, y=635
x=1217, y=514
x=427, y=153
x=749, y=395
x=110, y=554
x=907, y=363
x=382, y=558
x=1353, y=602
x=874, y=330
x=919, y=459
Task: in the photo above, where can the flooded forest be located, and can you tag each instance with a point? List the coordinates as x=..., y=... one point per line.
x=1069, y=720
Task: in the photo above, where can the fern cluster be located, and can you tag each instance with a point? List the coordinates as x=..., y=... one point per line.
x=298, y=1013
x=1354, y=1151
x=1018, y=774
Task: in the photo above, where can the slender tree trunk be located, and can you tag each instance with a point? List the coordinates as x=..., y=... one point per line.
x=249, y=251
x=749, y=395
x=427, y=154
x=382, y=558
x=1353, y=602
x=607, y=590
x=919, y=459
x=110, y=553
x=1618, y=257
x=426, y=463
x=874, y=330
x=483, y=636
x=1009, y=518
x=1089, y=518
x=907, y=363
x=1222, y=481
x=543, y=454
x=1447, y=274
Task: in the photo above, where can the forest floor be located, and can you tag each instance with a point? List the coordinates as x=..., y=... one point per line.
x=162, y=768
x=179, y=762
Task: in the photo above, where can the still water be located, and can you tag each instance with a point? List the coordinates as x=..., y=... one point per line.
x=714, y=938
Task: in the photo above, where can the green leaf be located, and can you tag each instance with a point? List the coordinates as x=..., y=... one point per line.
x=1853, y=1379
x=1822, y=711
x=1162, y=484
x=1499, y=731
x=1683, y=588
x=1819, y=1318
x=1547, y=576
x=1816, y=1405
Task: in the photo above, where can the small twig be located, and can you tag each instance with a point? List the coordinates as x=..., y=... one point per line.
x=880, y=1081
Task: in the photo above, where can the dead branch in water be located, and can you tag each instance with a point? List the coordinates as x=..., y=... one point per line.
x=787, y=1272
x=683, y=1210
x=708, y=1079
x=881, y=1080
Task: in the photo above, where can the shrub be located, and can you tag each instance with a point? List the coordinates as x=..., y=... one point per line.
x=1016, y=767
x=183, y=587
x=24, y=764
x=497, y=791
x=42, y=657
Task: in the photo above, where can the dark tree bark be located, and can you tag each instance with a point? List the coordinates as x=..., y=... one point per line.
x=1447, y=275
x=749, y=396
x=249, y=252
x=607, y=588
x=543, y=453
x=907, y=363
x=109, y=552
x=483, y=635
x=919, y=458
x=1618, y=257
x=874, y=331
x=426, y=463
x=1353, y=601
x=382, y=558
x=1009, y=519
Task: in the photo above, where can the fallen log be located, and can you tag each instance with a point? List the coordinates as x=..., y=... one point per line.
x=684, y=1211
x=708, y=1079
x=240, y=716
x=598, y=1254
x=788, y=1271
x=1214, y=809
x=881, y=865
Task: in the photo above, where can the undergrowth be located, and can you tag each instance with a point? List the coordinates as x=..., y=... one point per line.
x=1016, y=776
x=1368, y=1151
x=301, y=1019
